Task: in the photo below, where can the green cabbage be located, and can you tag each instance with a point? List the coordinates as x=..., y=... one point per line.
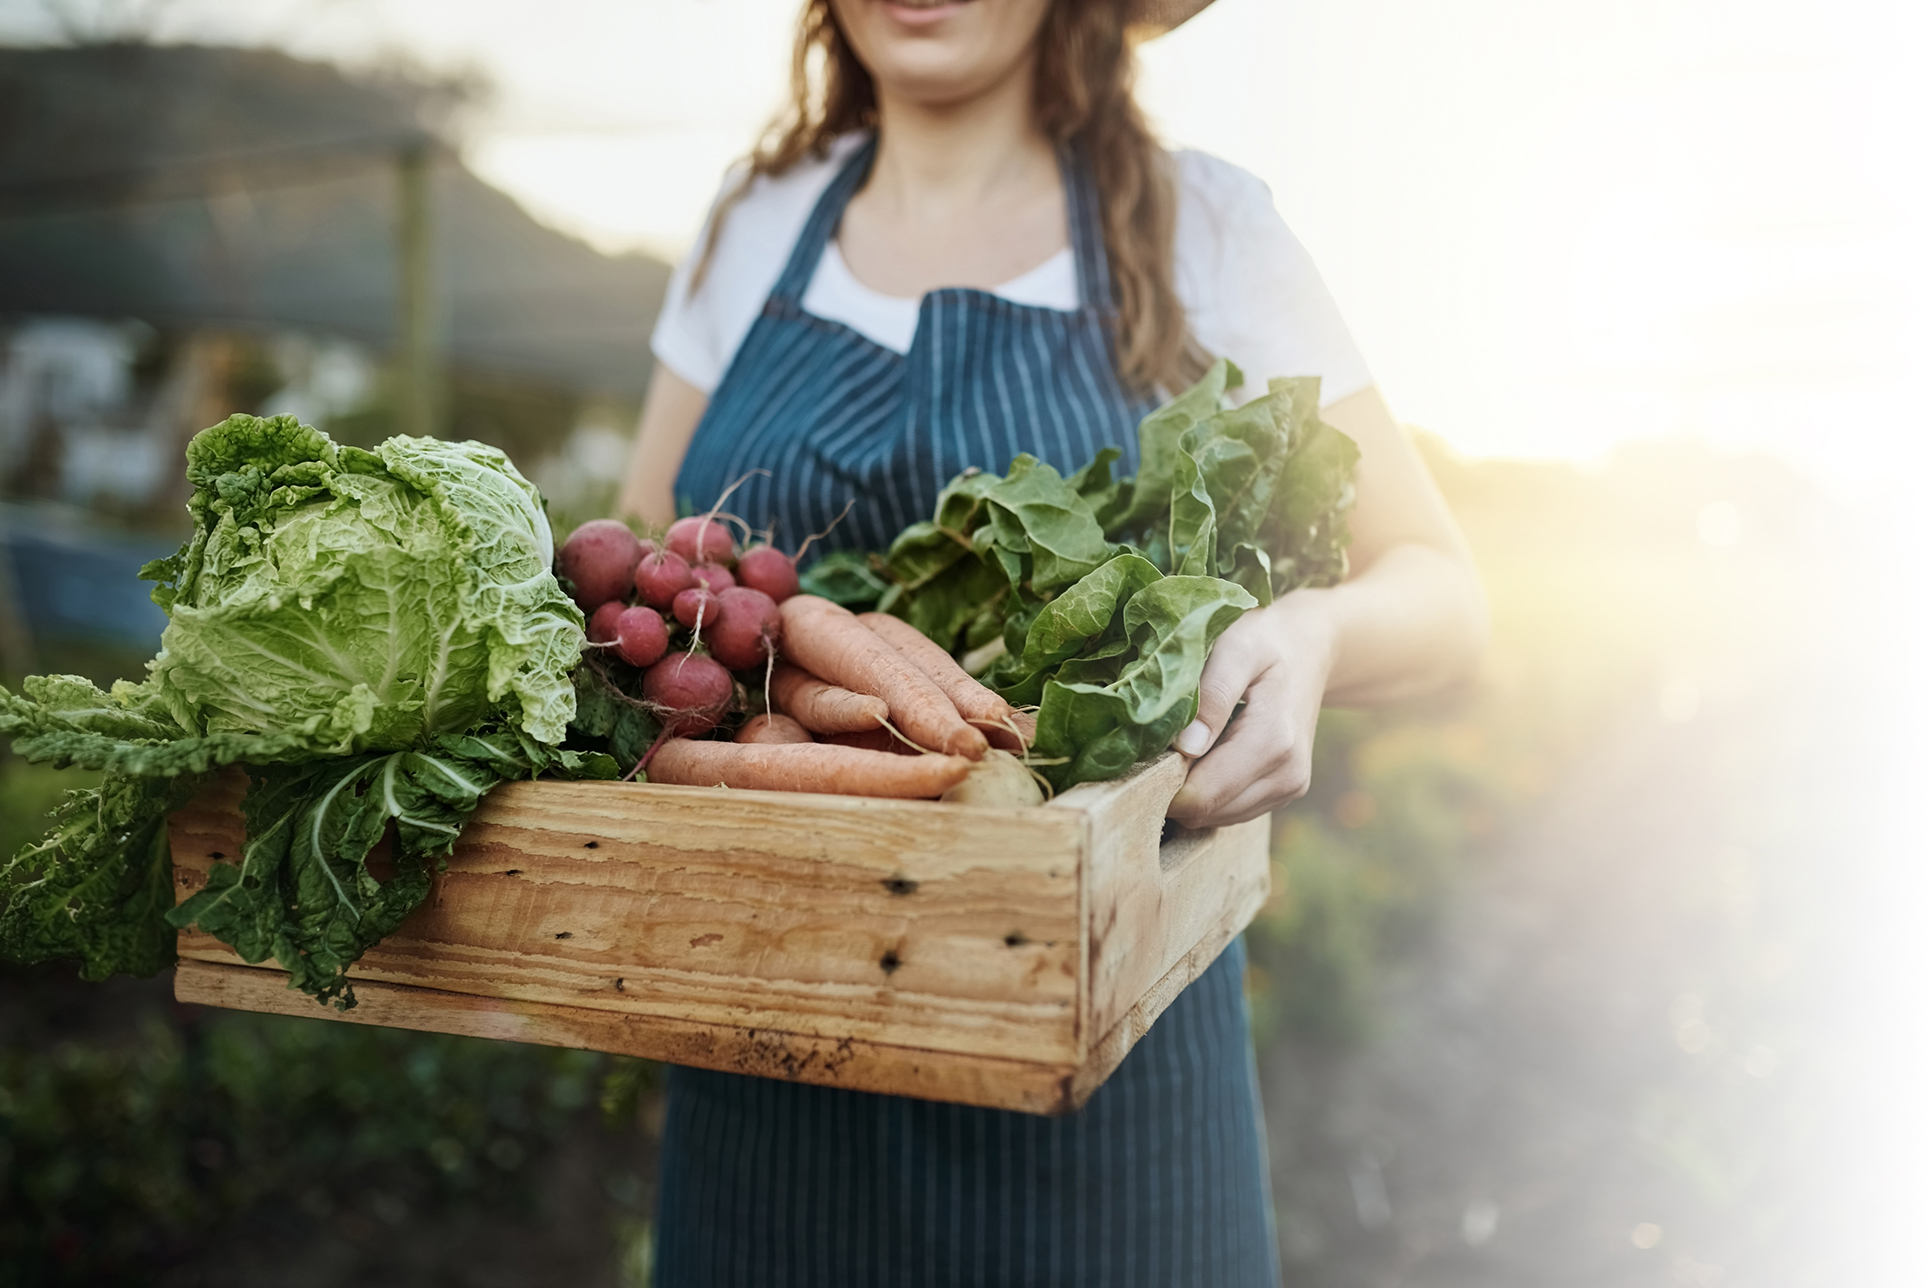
x=369, y=599
x=377, y=635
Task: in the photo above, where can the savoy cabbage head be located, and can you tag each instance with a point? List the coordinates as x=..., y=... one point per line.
x=376, y=635
x=367, y=600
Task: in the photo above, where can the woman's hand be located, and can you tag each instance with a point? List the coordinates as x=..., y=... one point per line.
x=1277, y=658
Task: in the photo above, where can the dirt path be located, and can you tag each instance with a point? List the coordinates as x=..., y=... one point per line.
x=1613, y=1063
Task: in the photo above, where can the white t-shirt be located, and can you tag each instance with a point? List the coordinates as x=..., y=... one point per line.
x=1250, y=292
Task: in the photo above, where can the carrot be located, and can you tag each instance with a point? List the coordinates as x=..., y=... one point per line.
x=805, y=767
x=828, y=641
x=980, y=706
x=822, y=707
x=772, y=729
x=880, y=739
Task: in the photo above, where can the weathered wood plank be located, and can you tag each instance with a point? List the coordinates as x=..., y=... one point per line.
x=1025, y=1086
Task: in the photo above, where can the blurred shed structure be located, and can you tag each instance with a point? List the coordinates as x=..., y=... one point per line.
x=190, y=231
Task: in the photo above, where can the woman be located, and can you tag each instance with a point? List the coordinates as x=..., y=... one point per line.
x=966, y=244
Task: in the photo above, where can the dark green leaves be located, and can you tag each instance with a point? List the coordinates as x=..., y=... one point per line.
x=1108, y=594
x=98, y=887
x=844, y=577
x=1103, y=719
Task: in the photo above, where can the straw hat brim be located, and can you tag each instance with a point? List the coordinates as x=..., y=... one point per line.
x=1156, y=16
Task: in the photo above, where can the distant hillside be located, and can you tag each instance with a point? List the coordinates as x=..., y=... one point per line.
x=192, y=186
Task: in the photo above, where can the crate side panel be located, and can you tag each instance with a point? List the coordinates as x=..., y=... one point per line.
x=990, y=1082
x=883, y=921
x=1146, y=915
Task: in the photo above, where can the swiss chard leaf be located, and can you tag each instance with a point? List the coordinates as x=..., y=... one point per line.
x=1101, y=726
x=1160, y=437
x=845, y=577
x=1113, y=591
x=1035, y=511
x=1074, y=622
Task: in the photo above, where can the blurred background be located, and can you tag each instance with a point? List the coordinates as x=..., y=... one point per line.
x=1606, y=971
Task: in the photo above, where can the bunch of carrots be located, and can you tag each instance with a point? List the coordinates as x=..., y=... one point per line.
x=861, y=705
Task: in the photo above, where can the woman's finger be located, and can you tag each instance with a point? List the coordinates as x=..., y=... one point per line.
x=1263, y=796
x=1230, y=669
x=1243, y=777
x=1262, y=757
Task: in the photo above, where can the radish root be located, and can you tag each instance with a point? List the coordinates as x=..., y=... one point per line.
x=800, y=552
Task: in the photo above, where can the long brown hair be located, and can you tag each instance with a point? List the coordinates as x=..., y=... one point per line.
x=1083, y=94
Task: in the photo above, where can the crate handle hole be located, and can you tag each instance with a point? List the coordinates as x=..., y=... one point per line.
x=1179, y=844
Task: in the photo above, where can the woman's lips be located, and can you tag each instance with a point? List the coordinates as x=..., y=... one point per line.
x=913, y=13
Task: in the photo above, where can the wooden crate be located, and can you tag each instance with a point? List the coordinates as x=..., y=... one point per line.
x=998, y=957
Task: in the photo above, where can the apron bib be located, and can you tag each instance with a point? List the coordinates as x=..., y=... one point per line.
x=835, y=417
x=1160, y=1181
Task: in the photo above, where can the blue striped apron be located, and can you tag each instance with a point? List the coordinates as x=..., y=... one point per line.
x=1160, y=1180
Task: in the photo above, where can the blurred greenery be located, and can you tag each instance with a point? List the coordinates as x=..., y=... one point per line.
x=127, y=1150
x=1597, y=579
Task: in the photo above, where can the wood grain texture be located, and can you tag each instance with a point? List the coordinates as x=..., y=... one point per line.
x=1022, y=1085
x=950, y=927
x=988, y=956
x=1151, y=899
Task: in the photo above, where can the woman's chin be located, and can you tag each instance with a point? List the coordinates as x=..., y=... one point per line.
x=936, y=54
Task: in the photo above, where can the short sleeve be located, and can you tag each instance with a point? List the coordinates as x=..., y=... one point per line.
x=684, y=337
x=698, y=331
x=1250, y=290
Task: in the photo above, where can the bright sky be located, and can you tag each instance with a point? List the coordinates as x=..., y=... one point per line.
x=1553, y=224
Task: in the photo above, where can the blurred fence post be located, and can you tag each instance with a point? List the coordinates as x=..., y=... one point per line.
x=415, y=322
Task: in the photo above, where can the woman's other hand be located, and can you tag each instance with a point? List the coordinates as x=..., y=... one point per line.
x=1409, y=620
x=1277, y=659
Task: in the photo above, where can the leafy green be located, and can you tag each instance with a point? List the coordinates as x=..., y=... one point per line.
x=1109, y=593
x=844, y=577
x=366, y=600
x=376, y=634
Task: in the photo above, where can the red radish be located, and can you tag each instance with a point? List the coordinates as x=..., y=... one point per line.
x=603, y=622
x=713, y=578
x=771, y=570
x=690, y=692
x=701, y=539
x=641, y=637
x=747, y=629
x=597, y=559
x=694, y=606
x=660, y=576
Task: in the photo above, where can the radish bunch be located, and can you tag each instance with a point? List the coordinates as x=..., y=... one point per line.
x=675, y=609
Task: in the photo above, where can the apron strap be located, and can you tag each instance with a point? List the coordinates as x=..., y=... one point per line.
x=810, y=247
x=1084, y=233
